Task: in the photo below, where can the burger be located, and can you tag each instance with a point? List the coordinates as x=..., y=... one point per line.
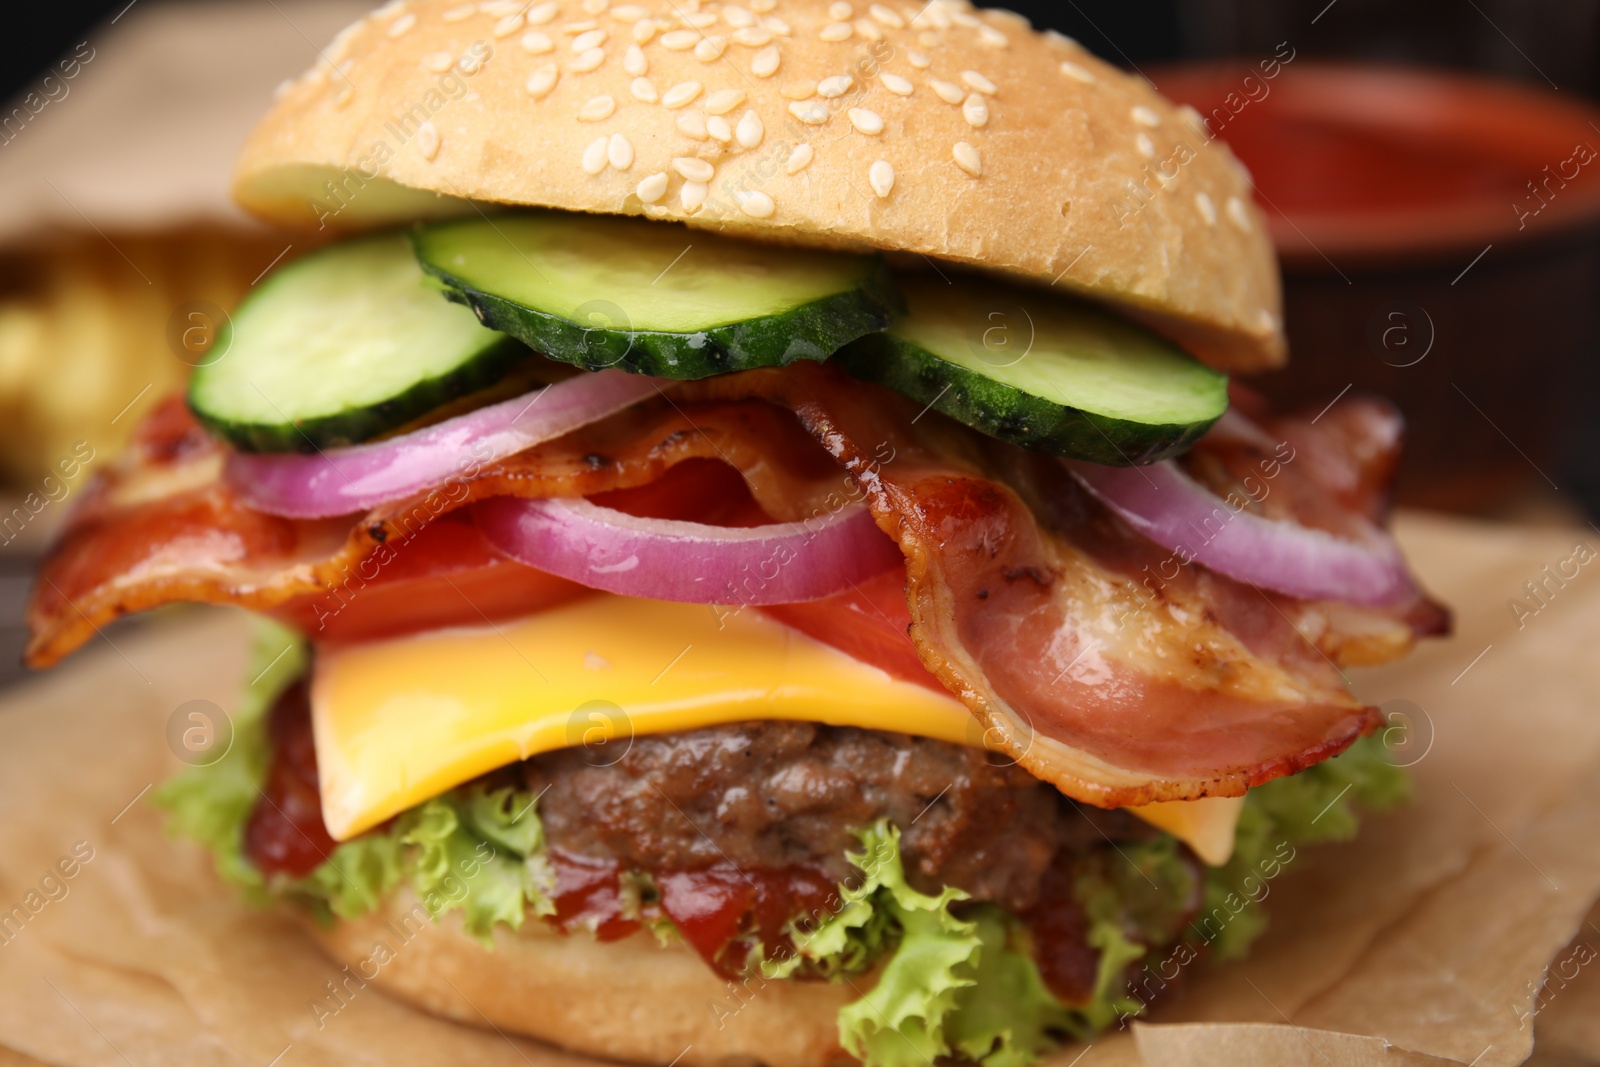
x=757, y=551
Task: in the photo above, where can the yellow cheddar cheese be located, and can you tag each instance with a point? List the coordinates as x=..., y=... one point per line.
x=400, y=721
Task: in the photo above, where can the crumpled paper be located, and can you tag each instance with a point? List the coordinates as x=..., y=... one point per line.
x=1425, y=941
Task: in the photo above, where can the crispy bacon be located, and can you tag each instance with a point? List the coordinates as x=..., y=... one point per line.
x=1026, y=598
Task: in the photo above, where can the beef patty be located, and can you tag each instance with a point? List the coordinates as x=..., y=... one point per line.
x=767, y=795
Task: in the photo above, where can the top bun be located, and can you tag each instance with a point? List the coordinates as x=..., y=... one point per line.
x=954, y=133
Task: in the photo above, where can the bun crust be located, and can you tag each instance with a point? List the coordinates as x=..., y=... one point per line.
x=633, y=1000
x=958, y=135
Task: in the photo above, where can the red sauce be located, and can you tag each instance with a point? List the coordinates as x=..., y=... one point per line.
x=1061, y=947
x=588, y=893
x=285, y=833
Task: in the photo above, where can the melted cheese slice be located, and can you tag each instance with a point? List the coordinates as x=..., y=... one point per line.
x=398, y=722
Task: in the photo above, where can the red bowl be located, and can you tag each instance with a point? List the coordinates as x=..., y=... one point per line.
x=1357, y=162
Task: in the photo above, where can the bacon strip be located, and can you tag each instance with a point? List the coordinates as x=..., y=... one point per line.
x=1026, y=598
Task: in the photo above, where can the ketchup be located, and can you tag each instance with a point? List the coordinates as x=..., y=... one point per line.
x=285, y=833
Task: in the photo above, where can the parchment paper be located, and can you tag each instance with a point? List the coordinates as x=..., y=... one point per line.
x=1423, y=942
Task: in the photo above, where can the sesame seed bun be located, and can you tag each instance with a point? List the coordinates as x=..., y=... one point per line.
x=956, y=134
x=633, y=1000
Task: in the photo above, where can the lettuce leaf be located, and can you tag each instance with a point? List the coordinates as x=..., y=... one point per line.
x=1318, y=804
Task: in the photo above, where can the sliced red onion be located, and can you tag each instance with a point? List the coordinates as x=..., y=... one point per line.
x=1181, y=515
x=339, y=481
x=665, y=559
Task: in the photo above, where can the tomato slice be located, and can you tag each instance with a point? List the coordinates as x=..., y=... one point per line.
x=448, y=575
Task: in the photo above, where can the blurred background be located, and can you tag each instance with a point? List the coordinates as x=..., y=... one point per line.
x=1431, y=170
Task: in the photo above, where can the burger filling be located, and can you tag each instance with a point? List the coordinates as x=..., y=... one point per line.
x=1002, y=680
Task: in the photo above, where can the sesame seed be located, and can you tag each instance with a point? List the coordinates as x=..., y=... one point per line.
x=629, y=13
x=761, y=7
x=589, y=60
x=458, y=14
x=595, y=7
x=800, y=90
x=1191, y=118
x=886, y=16
x=1268, y=321
x=283, y=89
x=346, y=95
x=692, y=124
x=507, y=26
x=975, y=111
x=992, y=37
x=1240, y=217
x=469, y=63
x=938, y=16
x=540, y=14
x=756, y=204
x=929, y=39
x=919, y=60
x=949, y=92
x=967, y=158
x=799, y=158
x=597, y=108
x=882, y=178
x=1145, y=116
x=710, y=48
x=868, y=29
x=402, y=24
x=643, y=89
x=536, y=43
x=428, y=140
x=717, y=127
x=438, y=62
x=699, y=19
x=965, y=18
x=644, y=30
x=588, y=39
x=694, y=170
x=752, y=36
x=723, y=101
x=764, y=64
x=840, y=11
x=681, y=94
x=1146, y=147
x=619, y=152
x=809, y=112
x=868, y=122
x=692, y=195
x=541, y=81
x=837, y=85
x=777, y=25
x=737, y=17
x=652, y=188
x=1207, y=209
x=572, y=29
x=634, y=61
x=679, y=40
x=977, y=81
x=835, y=31
x=895, y=84
x=594, y=157
x=750, y=130
x=1077, y=73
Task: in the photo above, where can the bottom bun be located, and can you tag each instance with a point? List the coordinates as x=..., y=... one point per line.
x=633, y=999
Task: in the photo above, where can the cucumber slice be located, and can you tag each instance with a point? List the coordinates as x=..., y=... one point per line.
x=340, y=346
x=654, y=297
x=1045, y=372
